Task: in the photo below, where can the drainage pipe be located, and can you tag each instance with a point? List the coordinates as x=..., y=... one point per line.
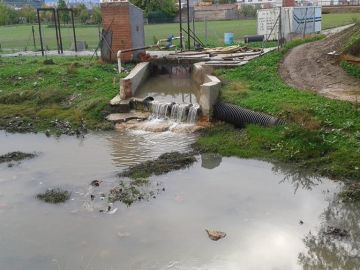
x=119, y=52
x=240, y=117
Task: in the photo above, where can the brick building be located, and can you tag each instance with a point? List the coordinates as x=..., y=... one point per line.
x=123, y=28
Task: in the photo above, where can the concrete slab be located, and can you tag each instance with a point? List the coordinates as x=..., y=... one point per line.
x=124, y=117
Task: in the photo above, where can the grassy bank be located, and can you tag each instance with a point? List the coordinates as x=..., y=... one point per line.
x=351, y=69
x=324, y=136
x=18, y=37
x=66, y=95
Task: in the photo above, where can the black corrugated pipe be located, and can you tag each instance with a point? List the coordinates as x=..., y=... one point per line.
x=240, y=117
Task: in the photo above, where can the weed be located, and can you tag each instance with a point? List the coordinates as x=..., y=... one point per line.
x=54, y=195
x=16, y=156
x=163, y=164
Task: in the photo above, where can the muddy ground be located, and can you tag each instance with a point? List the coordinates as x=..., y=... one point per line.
x=309, y=67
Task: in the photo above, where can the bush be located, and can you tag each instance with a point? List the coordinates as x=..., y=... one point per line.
x=248, y=11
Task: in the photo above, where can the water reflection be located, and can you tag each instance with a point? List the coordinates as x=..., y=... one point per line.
x=296, y=176
x=134, y=146
x=165, y=89
x=210, y=160
x=330, y=252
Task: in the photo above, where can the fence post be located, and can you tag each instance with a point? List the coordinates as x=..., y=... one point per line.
x=33, y=34
x=206, y=30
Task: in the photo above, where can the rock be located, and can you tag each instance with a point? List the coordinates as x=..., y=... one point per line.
x=124, y=117
x=95, y=183
x=215, y=235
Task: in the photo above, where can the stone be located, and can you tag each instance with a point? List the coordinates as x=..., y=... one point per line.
x=215, y=235
x=124, y=117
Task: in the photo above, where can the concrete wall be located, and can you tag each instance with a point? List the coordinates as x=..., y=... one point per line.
x=209, y=88
x=130, y=84
x=137, y=29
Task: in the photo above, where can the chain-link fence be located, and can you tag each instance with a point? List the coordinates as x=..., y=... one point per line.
x=25, y=37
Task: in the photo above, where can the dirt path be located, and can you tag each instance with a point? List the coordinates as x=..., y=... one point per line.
x=308, y=67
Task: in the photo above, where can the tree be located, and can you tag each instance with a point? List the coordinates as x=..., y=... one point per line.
x=64, y=15
x=167, y=7
x=84, y=15
x=8, y=15
x=29, y=13
x=96, y=13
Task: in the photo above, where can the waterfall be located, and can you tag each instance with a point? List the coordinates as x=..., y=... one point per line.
x=159, y=110
x=193, y=112
x=176, y=112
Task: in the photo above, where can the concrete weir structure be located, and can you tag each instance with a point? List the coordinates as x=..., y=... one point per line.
x=208, y=86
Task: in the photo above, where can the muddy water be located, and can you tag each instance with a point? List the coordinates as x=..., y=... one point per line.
x=258, y=208
x=164, y=88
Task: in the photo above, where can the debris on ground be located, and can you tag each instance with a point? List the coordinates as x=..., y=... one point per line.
x=336, y=232
x=350, y=193
x=230, y=56
x=131, y=191
x=65, y=128
x=125, y=193
x=16, y=124
x=54, y=195
x=215, y=235
x=163, y=164
x=49, y=62
x=16, y=156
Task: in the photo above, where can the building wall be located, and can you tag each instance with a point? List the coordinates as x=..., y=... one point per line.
x=21, y=3
x=115, y=16
x=137, y=28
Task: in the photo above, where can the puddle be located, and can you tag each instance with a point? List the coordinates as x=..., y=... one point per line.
x=164, y=88
x=257, y=209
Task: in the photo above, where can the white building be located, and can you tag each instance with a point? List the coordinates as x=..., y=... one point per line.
x=274, y=3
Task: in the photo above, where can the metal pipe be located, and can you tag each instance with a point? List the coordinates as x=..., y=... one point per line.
x=118, y=55
x=119, y=52
x=33, y=34
x=180, y=22
x=41, y=41
x=73, y=26
x=56, y=31
x=188, y=23
x=60, y=38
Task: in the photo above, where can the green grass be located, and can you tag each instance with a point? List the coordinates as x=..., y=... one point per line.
x=19, y=37
x=73, y=89
x=324, y=136
x=351, y=69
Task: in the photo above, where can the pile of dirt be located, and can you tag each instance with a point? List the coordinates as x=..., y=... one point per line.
x=311, y=67
x=344, y=42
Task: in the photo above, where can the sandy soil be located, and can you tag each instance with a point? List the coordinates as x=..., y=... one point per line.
x=309, y=67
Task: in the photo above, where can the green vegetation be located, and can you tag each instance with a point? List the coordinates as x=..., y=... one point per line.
x=163, y=164
x=351, y=69
x=70, y=94
x=19, y=37
x=16, y=156
x=324, y=136
x=54, y=195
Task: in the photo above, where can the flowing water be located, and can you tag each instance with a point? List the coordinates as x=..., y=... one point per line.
x=257, y=204
x=174, y=98
x=164, y=88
